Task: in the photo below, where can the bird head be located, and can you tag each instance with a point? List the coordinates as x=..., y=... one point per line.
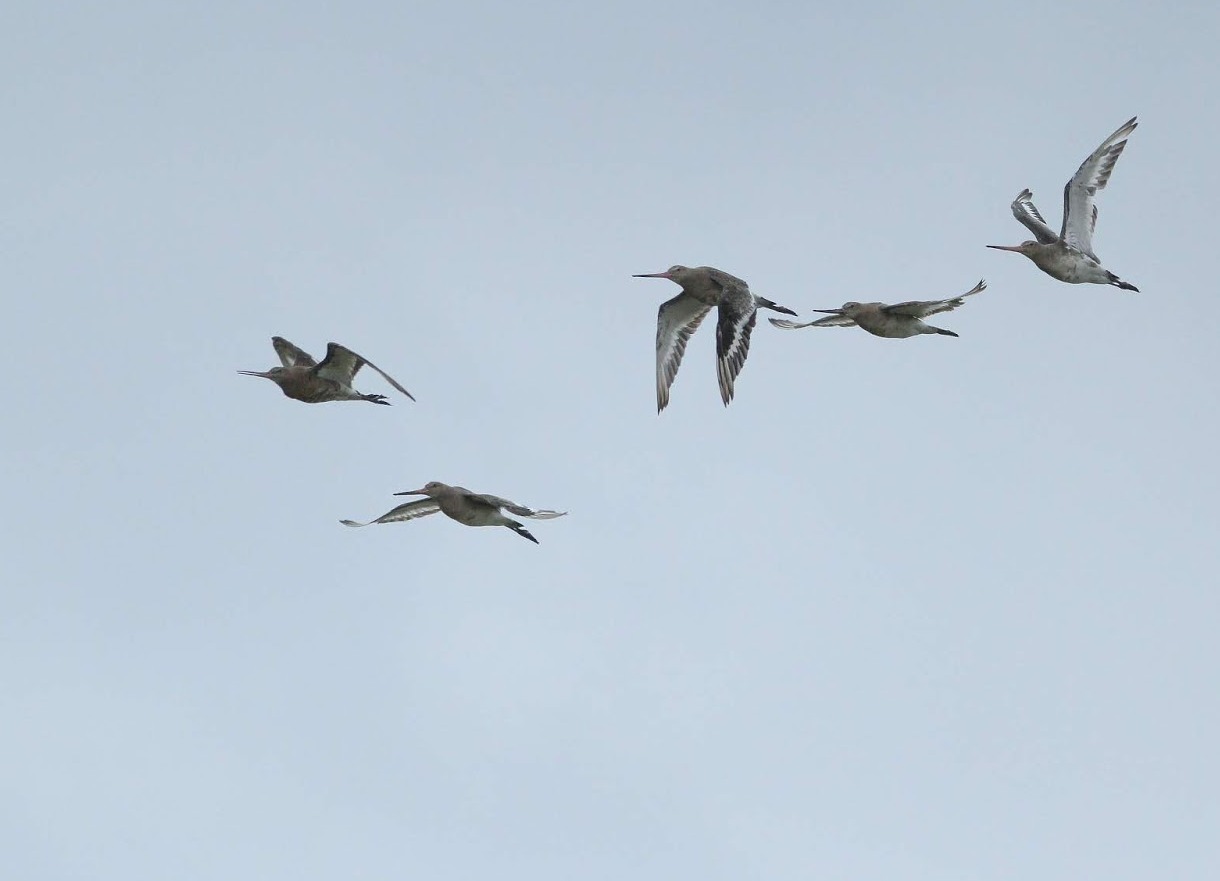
x=674, y=273
x=274, y=374
x=431, y=488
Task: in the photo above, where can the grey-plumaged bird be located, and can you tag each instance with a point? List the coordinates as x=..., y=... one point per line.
x=1069, y=256
x=880, y=319
x=460, y=504
x=702, y=288
x=304, y=379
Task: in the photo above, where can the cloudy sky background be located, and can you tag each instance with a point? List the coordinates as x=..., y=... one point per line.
x=925, y=609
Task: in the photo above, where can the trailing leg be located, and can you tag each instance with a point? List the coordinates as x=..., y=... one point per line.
x=521, y=530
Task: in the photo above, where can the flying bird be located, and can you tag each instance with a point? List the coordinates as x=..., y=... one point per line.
x=460, y=504
x=702, y=288
x=1069, y=256
x=899, y=321
x=304, y=379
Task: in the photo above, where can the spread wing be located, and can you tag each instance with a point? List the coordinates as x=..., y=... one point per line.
x=407, y=511
x=1023, y=209
x=924, y=308
x=341, y=365
x=738, y=312
x=1079, y=211
x=290, y=355
x=828, y=321
x=677, y=319
x=519, y=510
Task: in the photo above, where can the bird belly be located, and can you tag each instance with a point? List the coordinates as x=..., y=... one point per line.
x=1070, y=265
x=308, y=392
x=469, y=515
x=889, y=328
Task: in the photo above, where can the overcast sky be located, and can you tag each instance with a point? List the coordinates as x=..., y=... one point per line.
x=907, y=609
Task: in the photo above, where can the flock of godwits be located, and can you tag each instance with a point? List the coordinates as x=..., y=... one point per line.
x=1067, y=257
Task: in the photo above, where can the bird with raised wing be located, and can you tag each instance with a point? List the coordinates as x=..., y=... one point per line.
x=898, y=321
x=460, y=504
x=302, y=378
x=702, y=288
x=1069, y=256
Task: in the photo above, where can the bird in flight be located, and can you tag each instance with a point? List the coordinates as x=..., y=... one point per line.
x=302, y=378
x=460, y=504
x=702, y=288
x=899, y=321
x=1069, y=256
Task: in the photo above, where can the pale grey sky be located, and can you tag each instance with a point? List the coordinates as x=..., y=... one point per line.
x=924, y=609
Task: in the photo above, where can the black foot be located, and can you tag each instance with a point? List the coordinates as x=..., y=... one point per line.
x=377, y=399
x=524, y=533
x=776, y=307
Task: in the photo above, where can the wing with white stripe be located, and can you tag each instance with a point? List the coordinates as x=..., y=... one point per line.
x=1023, y=209
x=924, y=308
x=519, y=510
x=341, y=365
x=1079, y=211
x=738, y=312
x=290, y=355
x=677, y=319
x=407, y=511
x=828, y=321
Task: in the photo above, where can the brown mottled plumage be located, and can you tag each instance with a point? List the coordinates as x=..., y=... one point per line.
x=702, y=288
x=1069, y=256
x=304, y=379
x=460, y=504
x=880, y=319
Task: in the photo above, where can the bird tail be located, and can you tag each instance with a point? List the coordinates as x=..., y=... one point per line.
x=774, y=307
